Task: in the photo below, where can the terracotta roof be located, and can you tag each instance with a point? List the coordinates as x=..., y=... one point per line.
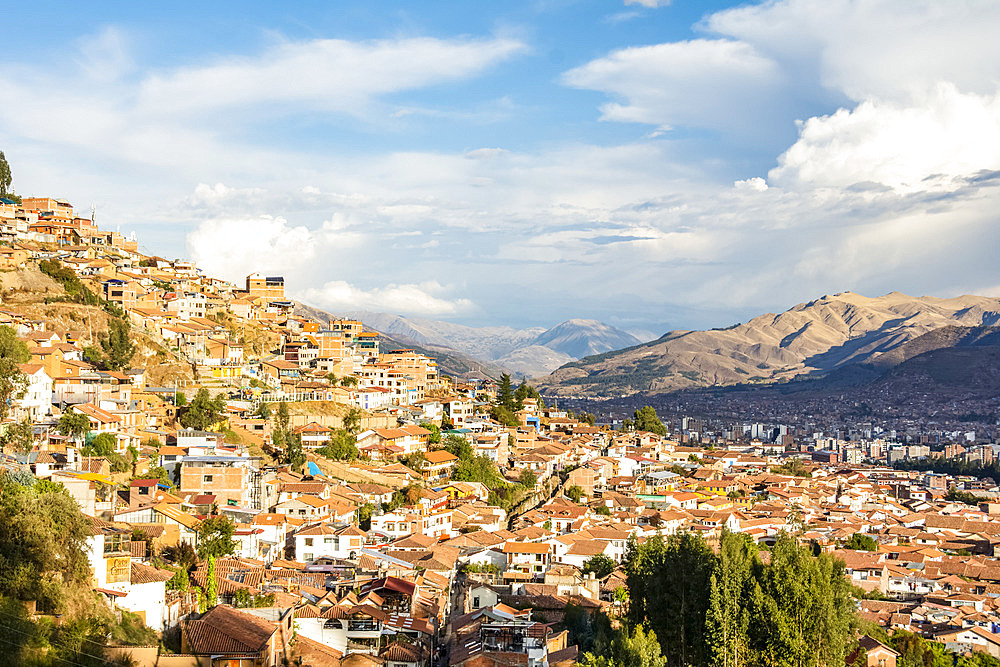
x=225, y=630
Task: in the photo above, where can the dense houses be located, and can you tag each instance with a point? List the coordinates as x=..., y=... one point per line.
x=358, y=560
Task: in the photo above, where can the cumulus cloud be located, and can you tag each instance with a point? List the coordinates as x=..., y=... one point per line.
x=408, y=299
x=232, y=248
x=949, y=134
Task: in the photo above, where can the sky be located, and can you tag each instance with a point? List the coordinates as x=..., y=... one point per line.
x=653, y=164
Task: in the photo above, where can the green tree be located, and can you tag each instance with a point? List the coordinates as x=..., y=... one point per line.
x=645, y=419
x=203, y=411
x=263, y=411
x=280, y=430
x=731, y=602
x=352, y=421
x=459, y=446
x=211, y=585
x=861, y=542
x=600, y=565
x=294, y=456
x=574, y=493
x=342, y=446
x=117, y=345
x=505, y=394
x=103, y=444
x=435, y=436
x=73, y=424
x=5, y=176
x=631, y=647
x=528, y=479
x=42, y=539
x=18, y=437
x=348, y=381
x=365, y=516
x=215, y=537
x=12, y=381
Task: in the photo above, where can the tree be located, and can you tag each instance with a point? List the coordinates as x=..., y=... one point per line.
x=263, y=411
x=211, y=585
x=102, y=445
x=18, y=436
x=861, y=542
x=365, y=516
x=528, y=479
x=435, y=436
x=180, y=399
x=574, y=493
x=342, y=446
x=73, y=424
x=5, y=176
x=42, y=539
x=352, y=421
x=215, y=537
x=603, y=510
x=348, y=381
x=630, y=648
x=600, y=565
x=459, y=446
x=117, y=345
x=294, y=455
x=12, y=381
x=203, y=411
x=645, y=419
x=280, y=431
x=505, y=395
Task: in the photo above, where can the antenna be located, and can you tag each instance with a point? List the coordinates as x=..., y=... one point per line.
x=93, y=213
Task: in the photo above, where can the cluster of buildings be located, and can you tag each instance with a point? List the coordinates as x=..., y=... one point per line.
x=358, y=562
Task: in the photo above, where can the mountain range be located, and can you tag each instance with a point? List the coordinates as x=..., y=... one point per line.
x=845, y=332
x=463, y=350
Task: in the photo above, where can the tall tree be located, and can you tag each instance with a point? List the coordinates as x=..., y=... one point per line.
x=280, y=429
x=117, y=345
x=13, y=352
x=645, y=419
x=505, y=394
x=5, y=176
x=728, y=616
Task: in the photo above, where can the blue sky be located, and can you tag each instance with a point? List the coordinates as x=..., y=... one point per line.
x=651, y=164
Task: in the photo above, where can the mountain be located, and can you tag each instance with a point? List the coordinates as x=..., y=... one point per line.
x=808, y=339
x=521, y=352
x=582, y=338
x=450, y=362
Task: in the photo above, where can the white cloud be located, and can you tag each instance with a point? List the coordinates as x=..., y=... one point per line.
x=949, y=134
x=409, y=299
x=327, y=74
x=695, y=82
x=232, y=248
x=652, y=4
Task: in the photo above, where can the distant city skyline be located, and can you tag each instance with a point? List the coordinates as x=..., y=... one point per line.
x=651, y=164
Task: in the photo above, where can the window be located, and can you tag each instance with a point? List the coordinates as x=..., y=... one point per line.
x=206, y=479
x=307, y=557
x=475, y=602
x=309, y=541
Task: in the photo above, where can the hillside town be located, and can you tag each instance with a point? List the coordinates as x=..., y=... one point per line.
x=260, y=487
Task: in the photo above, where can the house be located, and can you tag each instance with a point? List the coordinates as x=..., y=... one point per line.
x=526, y=561
x=323, y=540
x=876, y=654
x=236, y=637
x=438, y=464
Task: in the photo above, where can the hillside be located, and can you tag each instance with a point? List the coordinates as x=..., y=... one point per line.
x=812, y=338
